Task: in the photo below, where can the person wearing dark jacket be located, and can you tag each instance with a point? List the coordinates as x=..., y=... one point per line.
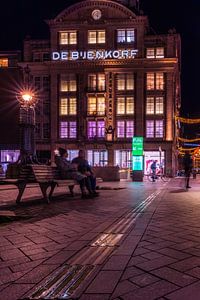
x=69, y=171
x=84, y=168
x=187, y=165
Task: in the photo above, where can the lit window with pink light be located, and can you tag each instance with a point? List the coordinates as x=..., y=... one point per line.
x=96, y=129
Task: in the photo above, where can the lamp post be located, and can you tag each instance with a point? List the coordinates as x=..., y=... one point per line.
x=27, y=101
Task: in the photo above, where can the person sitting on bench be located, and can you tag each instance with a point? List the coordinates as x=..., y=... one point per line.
x=69, y=171
x=84, y=168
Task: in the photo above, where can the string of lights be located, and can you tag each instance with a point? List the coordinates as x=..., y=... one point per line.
x=187, y=120
x=188, y=140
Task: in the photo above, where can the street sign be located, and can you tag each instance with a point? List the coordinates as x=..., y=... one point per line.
x=137, y=163
x=137, y=145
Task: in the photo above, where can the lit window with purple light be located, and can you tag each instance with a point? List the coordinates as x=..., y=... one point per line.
x=72, y=130
x=129, y=129
x=159, y=128
x=120, y=129
x=100, y=129
x=92, y=132
x=63, y=130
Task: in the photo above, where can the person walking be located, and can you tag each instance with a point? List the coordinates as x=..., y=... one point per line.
x=187, y=165
x=153, y=170
x=68, y=171
x=84, y=168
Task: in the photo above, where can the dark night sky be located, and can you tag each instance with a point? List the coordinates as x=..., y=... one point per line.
x=19, y=18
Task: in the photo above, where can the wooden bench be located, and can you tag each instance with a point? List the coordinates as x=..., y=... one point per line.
x=45, y=176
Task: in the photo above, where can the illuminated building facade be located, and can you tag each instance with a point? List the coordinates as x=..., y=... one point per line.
x=10, y=78
x=103, y=78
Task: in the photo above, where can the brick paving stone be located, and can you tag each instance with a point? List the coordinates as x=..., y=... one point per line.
x=173, y=253
x=135, y=260
x=15, y=291
x=4, y=241
x=140, y=250
x=156, y=263
x=26, y=266
x=60, y=257
x=5, y=271
x=18, y=239
x=151, y=292
x=116, y=262
x=186, y=264
x=123, y=287
x=37, y=274
x=105, y=282
x=174, y=238
x=192, y=251
x=191, y=292
x=6, y=278
x=144, y=279
x=40, y=240
x=77, y=245
x=185, y=245
x=11, y=254
x=95, y=297
x=29, y=252
x=151, y=255
x=3, y=286
x=173, y=276
x=14, y=262
x=43, y=255
x=128, y=246
x=160, y=245
x=130, y=272
x=195, y=272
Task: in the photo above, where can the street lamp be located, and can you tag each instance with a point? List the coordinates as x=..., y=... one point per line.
x=27, y=101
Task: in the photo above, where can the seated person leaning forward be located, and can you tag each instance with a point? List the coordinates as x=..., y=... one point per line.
x=68, y=171
x=84, y=168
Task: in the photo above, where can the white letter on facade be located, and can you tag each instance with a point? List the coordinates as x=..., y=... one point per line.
x=75, y=55
x=55, y=55
x=64, y=55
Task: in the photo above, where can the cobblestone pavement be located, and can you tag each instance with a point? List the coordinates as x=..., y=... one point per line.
x=135, y=241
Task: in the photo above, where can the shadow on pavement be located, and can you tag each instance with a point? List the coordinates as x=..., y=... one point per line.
x=178, y=191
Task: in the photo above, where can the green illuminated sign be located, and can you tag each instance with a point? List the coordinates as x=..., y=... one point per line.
x=137, y=145
x=137, y=163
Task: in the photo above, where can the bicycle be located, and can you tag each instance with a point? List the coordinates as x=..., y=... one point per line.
x=154, y=177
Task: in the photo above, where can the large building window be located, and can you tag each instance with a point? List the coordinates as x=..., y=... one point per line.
x=96, y=105
x=157, y=52
x=125, y=129
x=67, y=106
x=123, y=158
x=125, y=82
x=154, y=129
x=97, y=157
x=126, y=35
x=3, y=62
x=154, y=105
x=68, y=83
x=155, y=81
x=68, y=37
x=96, y=82
x=125, y=105
x=67, y=130
x=96, y=36
x=96, y=129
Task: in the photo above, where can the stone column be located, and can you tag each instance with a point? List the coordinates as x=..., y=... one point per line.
x=54, y=113
x=169, y=106
x=139, y=104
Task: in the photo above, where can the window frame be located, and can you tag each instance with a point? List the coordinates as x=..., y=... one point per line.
x=97, y=38
x=68, y=38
